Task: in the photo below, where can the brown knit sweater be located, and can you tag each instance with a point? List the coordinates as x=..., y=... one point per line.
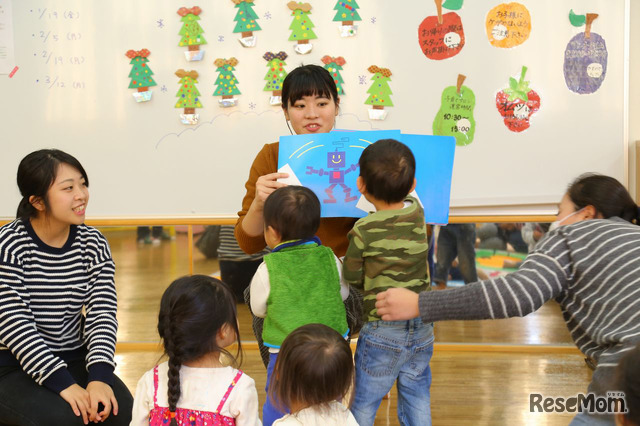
x=332, y=232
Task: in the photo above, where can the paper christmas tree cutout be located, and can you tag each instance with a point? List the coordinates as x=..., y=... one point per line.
x=275, y=76
x=188, y=96
x=140, y=75
x=379, y=92
x=347, y=14
x=334, y=66
x=226, y=83
x=191, y=32
x=301, y=27
x=246, y=23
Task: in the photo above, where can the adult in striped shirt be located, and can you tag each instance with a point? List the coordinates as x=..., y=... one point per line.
x=589, y=263
x=56, y=363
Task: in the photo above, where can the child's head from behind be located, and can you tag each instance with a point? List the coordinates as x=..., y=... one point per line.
x=197, y=315
x=291, y=213
x=310, y=99
x=628, y=373
x=197, y=318
x=387, y=171
x=314, y=367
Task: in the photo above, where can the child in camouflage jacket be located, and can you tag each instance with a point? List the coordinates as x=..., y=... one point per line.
x=387, y=249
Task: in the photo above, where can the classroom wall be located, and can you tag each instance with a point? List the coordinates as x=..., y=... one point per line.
x=135, y=148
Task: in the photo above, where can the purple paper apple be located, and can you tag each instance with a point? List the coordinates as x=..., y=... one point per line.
x=585, y=61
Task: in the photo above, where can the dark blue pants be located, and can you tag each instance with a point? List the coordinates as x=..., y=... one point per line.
x=24, y=402
x=270, y=412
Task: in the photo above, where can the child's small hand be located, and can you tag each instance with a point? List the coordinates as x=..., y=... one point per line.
x=266, y=184
x=397, y=304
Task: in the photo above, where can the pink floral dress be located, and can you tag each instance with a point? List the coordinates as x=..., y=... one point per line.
x=161, y=416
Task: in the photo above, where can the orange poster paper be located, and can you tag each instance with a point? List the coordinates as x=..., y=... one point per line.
x=508, y=25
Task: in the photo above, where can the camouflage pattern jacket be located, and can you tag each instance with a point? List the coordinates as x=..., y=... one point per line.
x=388, y=249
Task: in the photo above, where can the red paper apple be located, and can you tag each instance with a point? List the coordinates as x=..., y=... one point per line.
x=441, y=36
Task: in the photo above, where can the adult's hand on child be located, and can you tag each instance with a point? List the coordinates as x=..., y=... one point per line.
x=397, y=304
x=266, y=184
x=100, y=392
x=78, y=399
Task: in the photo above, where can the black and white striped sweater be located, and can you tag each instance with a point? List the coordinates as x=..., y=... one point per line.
x=42, y=293
x=591, y=268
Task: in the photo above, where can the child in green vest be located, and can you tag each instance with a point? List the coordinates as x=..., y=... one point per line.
x=300, y=281
x=388, y=249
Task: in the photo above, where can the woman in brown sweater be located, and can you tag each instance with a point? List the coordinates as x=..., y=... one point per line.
x=262, y=182
x=310, y=105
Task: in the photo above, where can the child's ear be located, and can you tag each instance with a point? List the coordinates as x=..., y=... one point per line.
x=222, y=332
x=37, y=203
x=413, y=186
x=286, y=112
x=360, y=185
x=226, y=335
x=272, y=234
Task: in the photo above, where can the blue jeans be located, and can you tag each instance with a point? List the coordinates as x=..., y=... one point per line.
x=456, y=240
x=390, y=350
x=269, y=411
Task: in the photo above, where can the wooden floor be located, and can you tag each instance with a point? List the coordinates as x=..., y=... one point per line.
x=483, y=371
x=468, y=388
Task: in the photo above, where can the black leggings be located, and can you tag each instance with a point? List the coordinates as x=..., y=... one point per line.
x=24, y=402
x=238, y=275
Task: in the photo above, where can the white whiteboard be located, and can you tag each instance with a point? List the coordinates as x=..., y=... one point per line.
x=142, y=161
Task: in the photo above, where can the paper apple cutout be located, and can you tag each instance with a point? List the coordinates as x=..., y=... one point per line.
x=441, y=36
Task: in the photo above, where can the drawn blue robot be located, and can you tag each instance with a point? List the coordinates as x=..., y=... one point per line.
x=336, y=161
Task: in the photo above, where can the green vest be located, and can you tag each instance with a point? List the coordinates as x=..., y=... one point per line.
x=305, y=289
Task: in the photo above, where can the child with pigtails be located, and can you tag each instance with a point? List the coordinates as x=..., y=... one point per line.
x=197, y=321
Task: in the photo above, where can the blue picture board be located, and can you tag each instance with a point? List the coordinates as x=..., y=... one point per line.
x=327, y=163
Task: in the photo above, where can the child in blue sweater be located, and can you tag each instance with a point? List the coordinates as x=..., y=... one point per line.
x=300, y=281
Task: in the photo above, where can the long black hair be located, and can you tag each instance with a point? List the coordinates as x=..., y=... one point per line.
x=36, y=173
x=606, y=195
x=192, y=311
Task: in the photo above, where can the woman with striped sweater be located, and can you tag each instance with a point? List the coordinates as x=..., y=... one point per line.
x=589, y=263
x=56, y=363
